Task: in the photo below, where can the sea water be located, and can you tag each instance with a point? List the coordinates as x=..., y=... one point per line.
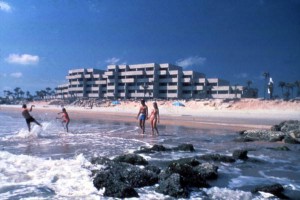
x=49, y=163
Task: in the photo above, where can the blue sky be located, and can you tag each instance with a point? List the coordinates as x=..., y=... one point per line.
x=230, y=39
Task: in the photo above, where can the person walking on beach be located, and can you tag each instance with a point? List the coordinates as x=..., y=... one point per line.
x=65, y=118
x=143, y=115
x=154, y=118
x=28, y=117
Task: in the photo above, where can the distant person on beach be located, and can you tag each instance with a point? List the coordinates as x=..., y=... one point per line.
x=154, y=118
x=143, y=115
x=28, y=117
x=65, y=118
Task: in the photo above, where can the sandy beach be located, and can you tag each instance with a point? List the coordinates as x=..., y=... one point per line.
x=218, y=114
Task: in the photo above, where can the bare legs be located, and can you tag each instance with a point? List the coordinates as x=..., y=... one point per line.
x=142, y=126
x=154, y=126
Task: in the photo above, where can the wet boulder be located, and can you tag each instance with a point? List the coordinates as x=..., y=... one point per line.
x=275, y=189
x=184, y=147
x=133, y=159
x=217, y=157
x=153, y=169
x=171, y=185
x=119, y=179
x=153, y=149
x=189, y=176
x=289, y=125
x=263, y=135
x=192, y=161
x=207, y=171
x=290, y=140
x=111, y=180
x=240, y=154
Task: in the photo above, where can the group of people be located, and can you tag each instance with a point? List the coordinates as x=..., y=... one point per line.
x=142, y=117
x=29, y=119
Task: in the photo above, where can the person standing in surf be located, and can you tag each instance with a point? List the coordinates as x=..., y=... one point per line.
x=154, y=118
x=142, y=115
x=28, y=117
x=65, y=118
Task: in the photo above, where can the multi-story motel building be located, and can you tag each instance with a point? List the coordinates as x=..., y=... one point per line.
x=158, y=81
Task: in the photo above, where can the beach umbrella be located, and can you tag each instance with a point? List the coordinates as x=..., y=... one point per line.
x=177, y=103
x=115, y=103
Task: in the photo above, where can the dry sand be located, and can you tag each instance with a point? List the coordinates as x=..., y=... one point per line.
x=208, y=114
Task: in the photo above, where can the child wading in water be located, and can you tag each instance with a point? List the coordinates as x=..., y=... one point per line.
x=65, y=118
x=28, y=117
x=143, y=115
x=154, y=118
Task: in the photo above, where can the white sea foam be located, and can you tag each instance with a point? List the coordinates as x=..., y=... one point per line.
x=66, y=178
x=228, y=194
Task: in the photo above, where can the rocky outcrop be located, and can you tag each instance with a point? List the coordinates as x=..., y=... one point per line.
x=240, y=154
x=286, y=131
x=159, y=148
x=217, y=158
x=275, y=189
x=133, y=159
x=119, y=179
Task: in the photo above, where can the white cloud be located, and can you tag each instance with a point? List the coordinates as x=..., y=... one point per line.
x=24, y=59
x=113, y=60
x=5, y=6
x=241, y=75
x=191, y=61
x=16, y=75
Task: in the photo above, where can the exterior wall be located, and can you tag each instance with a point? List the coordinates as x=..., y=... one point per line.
x=161, y=81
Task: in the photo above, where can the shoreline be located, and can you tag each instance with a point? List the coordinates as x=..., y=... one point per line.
x=217, y=116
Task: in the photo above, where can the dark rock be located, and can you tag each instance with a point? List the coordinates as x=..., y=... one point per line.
x=133, y=159
x=283, y=148
x=157, y=147
x=184, y=147
x=275, y=128
x=189, y=161
x=217, y=157
x=295, y=134
x=171, y=185
x=101, y=161
x=153, y=149
x=275, y=189
x=264, y=135
x=189, y=177
x=290, y=125
x=242, y=139
x=114, y=187
x=207, y=171
x=241, y=132
x=153, y=169
x=137, y=177
x=240, y=154
x=288, y=139
x=120, y=178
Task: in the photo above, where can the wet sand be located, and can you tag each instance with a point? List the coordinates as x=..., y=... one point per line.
x=226, y=120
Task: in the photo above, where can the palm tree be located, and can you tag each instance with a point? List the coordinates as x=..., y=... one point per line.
x=266, y=75
x=290, y=86
x=48, y=91
x=249, y=82
x=297, y=84
x=282, y=85
x=17, y=92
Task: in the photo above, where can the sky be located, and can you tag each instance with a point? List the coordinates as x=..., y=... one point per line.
x=229, y=39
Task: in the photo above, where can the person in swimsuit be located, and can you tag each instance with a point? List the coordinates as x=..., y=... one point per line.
x=143, y=115
x=154, y=118
x=65, y=118
x=28, y=117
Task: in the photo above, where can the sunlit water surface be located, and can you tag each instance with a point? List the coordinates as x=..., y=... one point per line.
x=49, y=163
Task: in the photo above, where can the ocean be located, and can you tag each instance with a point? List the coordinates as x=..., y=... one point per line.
x=49, y=163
